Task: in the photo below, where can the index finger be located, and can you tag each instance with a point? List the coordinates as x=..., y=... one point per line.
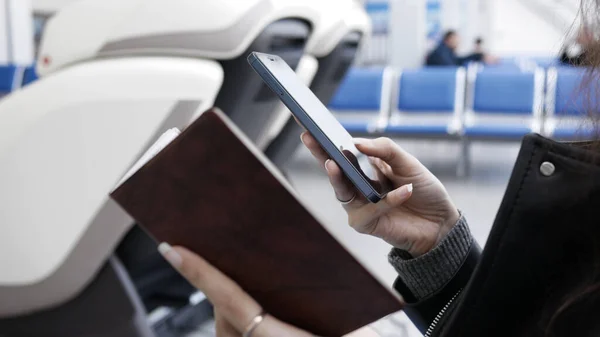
x=388, y=151
x=314, y=147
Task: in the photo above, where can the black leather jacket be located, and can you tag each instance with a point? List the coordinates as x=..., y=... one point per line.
x=542, y=250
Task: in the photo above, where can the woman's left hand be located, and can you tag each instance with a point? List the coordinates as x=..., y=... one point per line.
x=235, y=310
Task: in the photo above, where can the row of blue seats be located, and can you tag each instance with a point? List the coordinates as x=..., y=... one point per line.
x=495, y=104
x=13, y=77
x=528, y=62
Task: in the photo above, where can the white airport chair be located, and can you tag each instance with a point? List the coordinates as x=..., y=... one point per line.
x=332, y=51
x=114, y=75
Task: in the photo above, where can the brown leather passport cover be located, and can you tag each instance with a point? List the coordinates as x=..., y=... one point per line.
x=212, y=192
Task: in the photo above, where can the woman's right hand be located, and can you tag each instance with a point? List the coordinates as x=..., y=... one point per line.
x=415, y=216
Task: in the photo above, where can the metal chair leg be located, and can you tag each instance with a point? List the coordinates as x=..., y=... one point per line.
x=463, y=169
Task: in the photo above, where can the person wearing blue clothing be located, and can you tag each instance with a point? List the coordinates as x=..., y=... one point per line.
x=445, y=53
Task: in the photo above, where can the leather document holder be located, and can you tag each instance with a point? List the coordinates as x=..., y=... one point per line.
x=212, y=191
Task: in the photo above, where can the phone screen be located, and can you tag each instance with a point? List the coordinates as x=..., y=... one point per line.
x=320, y=115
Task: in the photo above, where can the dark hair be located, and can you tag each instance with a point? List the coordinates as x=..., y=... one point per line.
x=589, y=15
x=577, y=314
x=478, y=40
x=448, y=34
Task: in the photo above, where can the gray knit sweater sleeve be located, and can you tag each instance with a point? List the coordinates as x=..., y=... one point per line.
x=430, y=272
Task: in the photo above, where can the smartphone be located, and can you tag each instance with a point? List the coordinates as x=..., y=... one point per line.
x=317, y=120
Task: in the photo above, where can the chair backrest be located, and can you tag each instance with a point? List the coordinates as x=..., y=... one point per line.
x=546, y=62
x=434, y=89
x=30, y=75
x=508, y=92
x=362, y=90
x=57, y=166
x=567, y=94
x=9, y=79
x=527, y=62
x=503, y=66
x=507, y=60
x=513, y=64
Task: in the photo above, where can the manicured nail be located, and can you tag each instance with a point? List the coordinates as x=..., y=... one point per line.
x=360, y=141
x=327, y=162
x=170, y=254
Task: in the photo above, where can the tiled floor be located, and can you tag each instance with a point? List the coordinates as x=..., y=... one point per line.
x=478, y=196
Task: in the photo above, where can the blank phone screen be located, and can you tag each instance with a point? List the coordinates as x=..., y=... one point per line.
x=321, y=116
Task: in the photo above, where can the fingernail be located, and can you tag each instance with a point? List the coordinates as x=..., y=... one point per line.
x=302, y=138
x=170, y=254
x=327, y=162
x=360, y=141
x=409, y=188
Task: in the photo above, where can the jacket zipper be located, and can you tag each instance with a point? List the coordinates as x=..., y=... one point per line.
x=440, y=315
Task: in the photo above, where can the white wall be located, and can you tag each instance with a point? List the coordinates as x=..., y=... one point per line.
x=408, y=33
x=470, y=18
x=518, y=30
x=509, y=27
x=22, y=31
x=4, y=50
x=451, y=14
x=16, y=32
x=49, y=6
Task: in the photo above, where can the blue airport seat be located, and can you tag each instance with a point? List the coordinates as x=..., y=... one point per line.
x=568, y=102
x=428, y=102
x=416, y=130
x=359, y=91
x=505, y=105
x=546, y=62
x=504, y=92
x=427, y=90
x=525, y=64
x=9, y=80
x=574, y=132
x=357, y=128
x=507, y=60
x=30, y=75
x=361, y=102
x=381, y=6
x=571, y=98
x=498, y=131
x=501, y=66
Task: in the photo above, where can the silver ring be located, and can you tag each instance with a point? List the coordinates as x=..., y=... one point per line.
x=349, y=201
x=254, y=324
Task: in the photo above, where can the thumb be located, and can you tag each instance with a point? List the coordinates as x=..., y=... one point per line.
x=398, y=196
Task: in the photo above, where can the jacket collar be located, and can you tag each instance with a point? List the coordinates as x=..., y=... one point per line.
x=587, y=152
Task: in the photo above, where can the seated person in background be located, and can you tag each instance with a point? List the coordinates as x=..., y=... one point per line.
x=574, y=53
x=478, y=46
x=445, y=53
x=487, y=59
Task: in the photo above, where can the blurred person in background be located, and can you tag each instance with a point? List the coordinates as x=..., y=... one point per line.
x=479, y=49
x=538, y=274
x=575, y=52
x=445, y=53
x=478, y=46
